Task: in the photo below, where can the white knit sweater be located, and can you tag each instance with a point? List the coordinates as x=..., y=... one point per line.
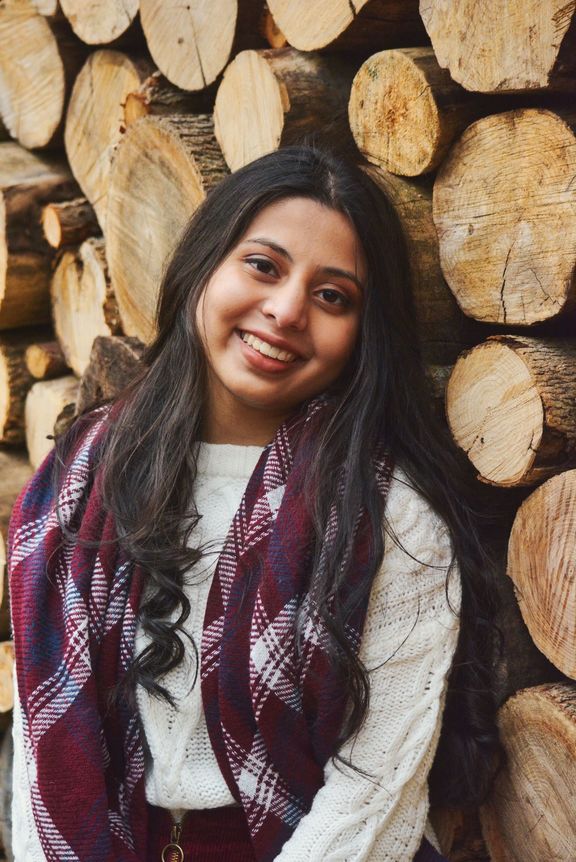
x=408, y=644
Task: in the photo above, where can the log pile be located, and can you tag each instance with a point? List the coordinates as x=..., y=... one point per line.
x=463, y=112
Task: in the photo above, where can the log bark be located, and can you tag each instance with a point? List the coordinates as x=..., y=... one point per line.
x=157, y=97
x=405, y=111
x=339, y=25
x=83, y=302
x=494, y=46
x=530, y=814
x=444, y=330
x=159, y=159
x=271, y=98
x=95, y=118
x=44, y=403
x=97, y=22
x=505, y=216
x=15, y=381
x=541, y=557
x=69, y=222
x=114, y=364
x=47, y=59
x=192, y=46
x=6, y=669
x=27, y=182
x=511, y=408
x=45, y=361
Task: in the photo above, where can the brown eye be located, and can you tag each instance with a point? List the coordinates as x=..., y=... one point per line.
x=262, y=264
x=334, y=297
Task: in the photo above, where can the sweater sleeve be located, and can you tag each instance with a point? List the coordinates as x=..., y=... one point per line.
x=408, y=644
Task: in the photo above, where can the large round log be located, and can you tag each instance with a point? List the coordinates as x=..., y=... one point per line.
x=405, y=111
x=541, y=557
x=98, y=22
x=38, y=62
x=494, y=46
x=69, y=222
x=27, y=183
x=504, y=209
x=273, y=97
x=83, y=302
x=364, y=25
x=530, y=814
x=159, y=159
x=191, y=43
x=15, y=382
x=95, y=119
x=156, y=96
x=511, y=407
x=44, y=403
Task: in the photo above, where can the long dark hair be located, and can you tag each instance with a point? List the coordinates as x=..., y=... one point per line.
x=149, y=461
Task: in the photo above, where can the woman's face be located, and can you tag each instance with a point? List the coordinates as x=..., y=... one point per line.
x=279, y=318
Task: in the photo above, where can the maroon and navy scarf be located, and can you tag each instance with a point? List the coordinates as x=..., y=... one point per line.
x=274, y=710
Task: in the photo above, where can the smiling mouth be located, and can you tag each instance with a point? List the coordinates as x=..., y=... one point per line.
x=267, y=349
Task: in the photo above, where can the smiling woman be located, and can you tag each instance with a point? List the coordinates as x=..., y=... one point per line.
x=254, y=584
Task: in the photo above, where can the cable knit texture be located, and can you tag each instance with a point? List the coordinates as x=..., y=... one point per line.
x=408, y=644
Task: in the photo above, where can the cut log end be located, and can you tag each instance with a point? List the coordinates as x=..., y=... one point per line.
x=6, y=671
x=45, y=360
x=44, y=403
x=98, y=22
x=69, y=222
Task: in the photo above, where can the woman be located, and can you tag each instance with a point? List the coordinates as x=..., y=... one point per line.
x=238, y=600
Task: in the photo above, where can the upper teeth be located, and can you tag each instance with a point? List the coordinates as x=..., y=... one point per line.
x=267, y=349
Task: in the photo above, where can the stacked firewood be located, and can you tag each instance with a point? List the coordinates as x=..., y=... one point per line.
x=118, y=117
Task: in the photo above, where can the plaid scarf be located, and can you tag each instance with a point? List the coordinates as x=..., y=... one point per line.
x=274, y=710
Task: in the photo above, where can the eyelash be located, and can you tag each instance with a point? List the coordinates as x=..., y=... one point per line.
x=253, y=261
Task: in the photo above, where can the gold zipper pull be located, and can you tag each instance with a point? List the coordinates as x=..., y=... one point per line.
x=172, y=852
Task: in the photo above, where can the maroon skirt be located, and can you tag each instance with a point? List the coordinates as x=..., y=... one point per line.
x=218, y=835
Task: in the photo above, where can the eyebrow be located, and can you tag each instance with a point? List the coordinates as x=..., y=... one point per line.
x=328, y=270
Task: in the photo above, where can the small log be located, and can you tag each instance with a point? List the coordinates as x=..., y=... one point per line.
x=505, y=216
x=114, y=364
x=15, y=381
x=157, y=97
x=340, y=25
x=530, y=814
x=159, y=159
x=495, y=47
x=69, y=222
x=6, y=671
x=510, y=406
x=191, y=45
x=271, y=98
x=98, y=22
x=95, y=118
x=44, y=403
x=405, y=111
x=45, y=361
x=541, y=557
x=27, y=182
x=83, y=302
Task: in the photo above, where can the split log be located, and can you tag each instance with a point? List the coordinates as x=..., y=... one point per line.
x=511, y=407
x=530, y=814
x=45, y=361
x=541, y=557
x=192, y=45
x=444, y=330
x=15, y=381
x=271, y=98
x=6, y=670
x=365, y=25
x=405, y=111
x=44, y=403
x=83, y=302
x=159, y=159
x=505, y=216
x=114, y=364
x=38, y=62
x=494, y=46
x=95, y=118
x=97, y=22
x=69, y=222
x=156, y=96
x=27, y=182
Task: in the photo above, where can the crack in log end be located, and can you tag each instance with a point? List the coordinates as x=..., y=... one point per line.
x=352, y=8
x=503, y=285
x=197, y=49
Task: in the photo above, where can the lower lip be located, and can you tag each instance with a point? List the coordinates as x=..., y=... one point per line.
x=264, y=363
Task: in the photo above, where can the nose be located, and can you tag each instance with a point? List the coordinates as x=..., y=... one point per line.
x=287, y=304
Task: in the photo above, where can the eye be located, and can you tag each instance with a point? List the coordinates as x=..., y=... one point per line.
x=262, y=265
x=334, y=297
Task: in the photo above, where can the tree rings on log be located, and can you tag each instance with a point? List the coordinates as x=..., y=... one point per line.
x=494, y=46
x=271, y=98
x=44, y=403
x=541, y=555
x=529, y=816
x=504, y=209
x=98, y=22
x=511, y=407
x=95, y=120
x=159, y=159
